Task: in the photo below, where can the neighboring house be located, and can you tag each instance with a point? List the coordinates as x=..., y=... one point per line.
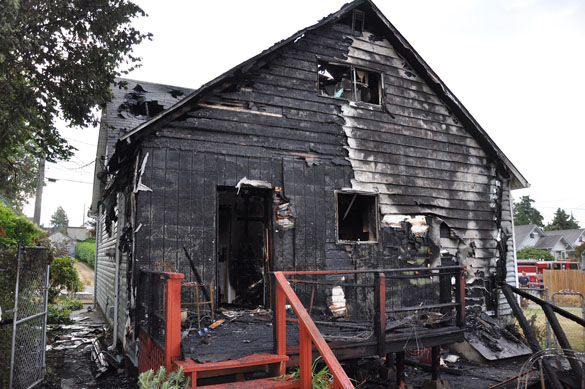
x=575, y=237
x=560, y=243
x=337, y=148
x=78, y=233
x=63, y=244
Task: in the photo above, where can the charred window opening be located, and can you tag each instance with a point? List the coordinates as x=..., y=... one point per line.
x=147, y=108
x=349, y=82
x=356, y=217
x=358, y=19
x=138, y=105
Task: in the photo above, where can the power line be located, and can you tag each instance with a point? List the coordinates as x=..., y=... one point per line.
x=65, y=179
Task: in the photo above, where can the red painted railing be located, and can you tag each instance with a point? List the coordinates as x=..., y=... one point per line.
x=152, y=353
x=308, y=335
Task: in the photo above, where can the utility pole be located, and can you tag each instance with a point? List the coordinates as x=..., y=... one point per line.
x=39, y=195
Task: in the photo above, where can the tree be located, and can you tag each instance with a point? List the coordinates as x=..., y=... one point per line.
x=57, y=60
x=530, y=252
x=579, y=251
x=59, y=218
x=524, y=213
x=562, y=221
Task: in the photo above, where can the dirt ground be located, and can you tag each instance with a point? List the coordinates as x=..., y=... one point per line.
x=86, y=275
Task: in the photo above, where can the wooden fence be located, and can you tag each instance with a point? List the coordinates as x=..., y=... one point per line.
x=556, y=280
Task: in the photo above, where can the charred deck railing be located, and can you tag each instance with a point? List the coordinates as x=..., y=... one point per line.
x=377, y=300
x=158, y=318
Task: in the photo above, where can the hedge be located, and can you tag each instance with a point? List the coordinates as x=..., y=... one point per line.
x=85, y=252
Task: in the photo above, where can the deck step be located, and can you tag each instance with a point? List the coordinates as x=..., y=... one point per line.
x=189, y=365
x=271, y=365
x=260, y=383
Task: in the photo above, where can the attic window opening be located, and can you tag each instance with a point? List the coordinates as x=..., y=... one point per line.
x=356, y=217
x=349, y=82
x=358, y=19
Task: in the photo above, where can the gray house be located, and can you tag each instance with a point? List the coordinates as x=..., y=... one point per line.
x=560, y=243
x=336, y=148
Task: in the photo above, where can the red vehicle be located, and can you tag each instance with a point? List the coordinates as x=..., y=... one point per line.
x=534, y=267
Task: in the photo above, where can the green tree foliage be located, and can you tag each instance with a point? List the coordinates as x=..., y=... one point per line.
x=59, y=218
x=16, y=229
x=579, y=251
x=525, y=213
x=62, y=276
x=562, y=221
x=57, y=59
x=530, y=252
x=85, y=251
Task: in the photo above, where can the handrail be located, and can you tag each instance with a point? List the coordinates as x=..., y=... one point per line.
x=308, y=334
x=330, y=272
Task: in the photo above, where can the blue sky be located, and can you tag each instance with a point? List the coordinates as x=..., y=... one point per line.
x=517, y=65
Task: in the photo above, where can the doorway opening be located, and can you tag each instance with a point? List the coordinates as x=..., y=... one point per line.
x=243, y=243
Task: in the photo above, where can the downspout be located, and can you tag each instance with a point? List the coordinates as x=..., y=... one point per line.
x=98, y=235
x=117, y=280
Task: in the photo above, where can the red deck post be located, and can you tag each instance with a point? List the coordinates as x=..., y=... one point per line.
x=305, y=357
x=173, y=331
x=280, y=323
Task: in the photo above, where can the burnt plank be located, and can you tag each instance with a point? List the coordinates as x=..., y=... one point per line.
x=410, y=180
x=233, y=127
x=289, y=145
x=266, y=121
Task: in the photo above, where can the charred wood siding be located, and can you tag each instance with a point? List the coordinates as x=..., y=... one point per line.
x=270, y=124
x=180, y=210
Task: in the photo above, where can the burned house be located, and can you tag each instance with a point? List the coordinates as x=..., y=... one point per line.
x=337, y=149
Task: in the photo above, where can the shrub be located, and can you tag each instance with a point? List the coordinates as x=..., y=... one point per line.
x=533, y=253
x=85, y=252
x=59, y=313
x=162, y=380
x=63, y=276
x=16, y=229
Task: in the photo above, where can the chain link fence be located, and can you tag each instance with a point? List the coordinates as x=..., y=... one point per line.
x=570, y=301
x=573, y=302
x=24, y=281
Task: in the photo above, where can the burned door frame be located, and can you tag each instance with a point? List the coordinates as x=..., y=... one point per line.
x=268, y=250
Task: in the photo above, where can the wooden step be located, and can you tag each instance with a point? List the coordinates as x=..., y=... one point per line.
x=261, y=383
x=272, y=364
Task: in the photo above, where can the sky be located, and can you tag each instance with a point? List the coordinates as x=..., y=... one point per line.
x=517, y=65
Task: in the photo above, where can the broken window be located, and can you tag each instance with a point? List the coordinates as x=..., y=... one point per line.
x=356, y=217
x=349, y=82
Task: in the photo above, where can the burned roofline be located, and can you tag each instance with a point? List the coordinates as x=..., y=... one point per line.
x=401, y=45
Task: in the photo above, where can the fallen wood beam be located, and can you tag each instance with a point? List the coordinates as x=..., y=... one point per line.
x=563, y=341
x=529, y=334
x=560, y=311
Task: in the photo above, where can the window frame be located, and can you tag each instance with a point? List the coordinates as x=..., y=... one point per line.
x=375, y=195
x=352, y=69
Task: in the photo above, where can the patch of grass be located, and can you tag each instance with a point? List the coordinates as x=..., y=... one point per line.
x=574, y=332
